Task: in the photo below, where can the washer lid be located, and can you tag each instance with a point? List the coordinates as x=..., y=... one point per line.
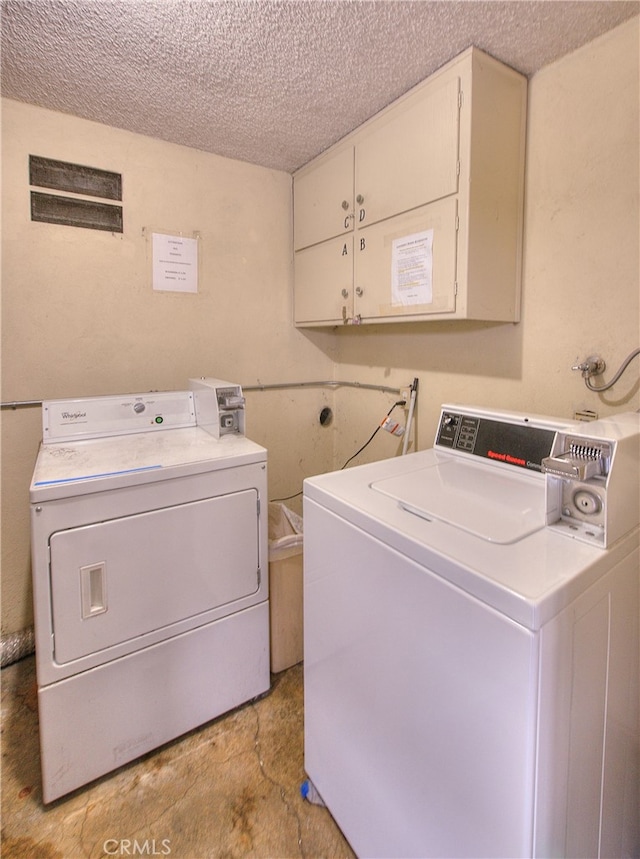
x=490, y=504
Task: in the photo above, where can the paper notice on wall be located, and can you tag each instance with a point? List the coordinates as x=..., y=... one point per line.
x=175, y=263
x=412, y=269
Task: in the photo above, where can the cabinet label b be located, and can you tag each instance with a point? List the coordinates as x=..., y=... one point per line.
x=362, y=244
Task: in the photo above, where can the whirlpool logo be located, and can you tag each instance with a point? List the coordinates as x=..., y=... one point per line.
x=73, y=416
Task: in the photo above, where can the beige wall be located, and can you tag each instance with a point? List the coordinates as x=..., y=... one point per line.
x=581, y=264
x=80, y=317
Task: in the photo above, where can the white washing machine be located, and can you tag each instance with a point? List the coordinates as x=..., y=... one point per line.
x=471, y=641
x=150, y=577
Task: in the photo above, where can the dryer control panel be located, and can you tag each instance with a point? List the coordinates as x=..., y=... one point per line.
x=100, y=417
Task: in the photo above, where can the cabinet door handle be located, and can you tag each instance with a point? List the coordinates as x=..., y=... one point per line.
x=345, y=205
x=359, y=291
x=345, y=293
x=359, y=199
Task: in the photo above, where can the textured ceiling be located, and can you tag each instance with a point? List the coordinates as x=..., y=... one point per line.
x=273, y=82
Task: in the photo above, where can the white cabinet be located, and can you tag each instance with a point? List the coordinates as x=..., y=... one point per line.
x=417, y=214
x=409, y=156
x=324, y=200
x=324, y=273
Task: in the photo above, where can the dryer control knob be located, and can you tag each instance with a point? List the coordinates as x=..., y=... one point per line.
x=138, y=408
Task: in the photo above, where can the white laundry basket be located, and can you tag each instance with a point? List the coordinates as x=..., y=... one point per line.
x=285, y=586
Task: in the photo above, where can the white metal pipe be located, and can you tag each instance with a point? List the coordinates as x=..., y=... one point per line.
x=412, y=403
x=321, y=384
x=19, y=404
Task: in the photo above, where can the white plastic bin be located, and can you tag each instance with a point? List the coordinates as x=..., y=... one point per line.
x=285, y=586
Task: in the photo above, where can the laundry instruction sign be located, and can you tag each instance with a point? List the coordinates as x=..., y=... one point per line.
x=175, y=263
x=412, y=269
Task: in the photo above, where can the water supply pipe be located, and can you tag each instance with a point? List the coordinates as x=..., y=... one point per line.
x=412, y=404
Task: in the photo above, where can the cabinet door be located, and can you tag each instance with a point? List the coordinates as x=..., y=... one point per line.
x=412, y=158
x=406, y=266
x=323, y=282
x=323, y=200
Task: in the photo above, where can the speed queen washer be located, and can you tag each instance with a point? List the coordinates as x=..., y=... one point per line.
x=149, y=556
x=471, y=642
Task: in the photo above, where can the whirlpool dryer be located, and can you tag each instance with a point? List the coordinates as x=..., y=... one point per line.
x=471, y=641
x=149, y=555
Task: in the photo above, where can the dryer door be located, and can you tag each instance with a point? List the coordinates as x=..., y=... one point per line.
x=116, y=580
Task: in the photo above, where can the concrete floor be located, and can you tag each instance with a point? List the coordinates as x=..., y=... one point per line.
x=229, y=789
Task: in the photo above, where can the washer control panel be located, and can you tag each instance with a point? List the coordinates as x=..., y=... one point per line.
x=591, y=470
x=515, y=441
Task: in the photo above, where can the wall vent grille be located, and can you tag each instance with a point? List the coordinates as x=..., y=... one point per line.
x=75, y=179
x=54, y=209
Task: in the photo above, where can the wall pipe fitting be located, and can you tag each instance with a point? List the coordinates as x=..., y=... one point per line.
x=595, y=366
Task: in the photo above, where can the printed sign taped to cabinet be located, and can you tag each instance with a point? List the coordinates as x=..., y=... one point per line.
x=412, y=269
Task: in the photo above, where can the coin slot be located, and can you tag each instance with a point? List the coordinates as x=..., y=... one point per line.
x=587, y=502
